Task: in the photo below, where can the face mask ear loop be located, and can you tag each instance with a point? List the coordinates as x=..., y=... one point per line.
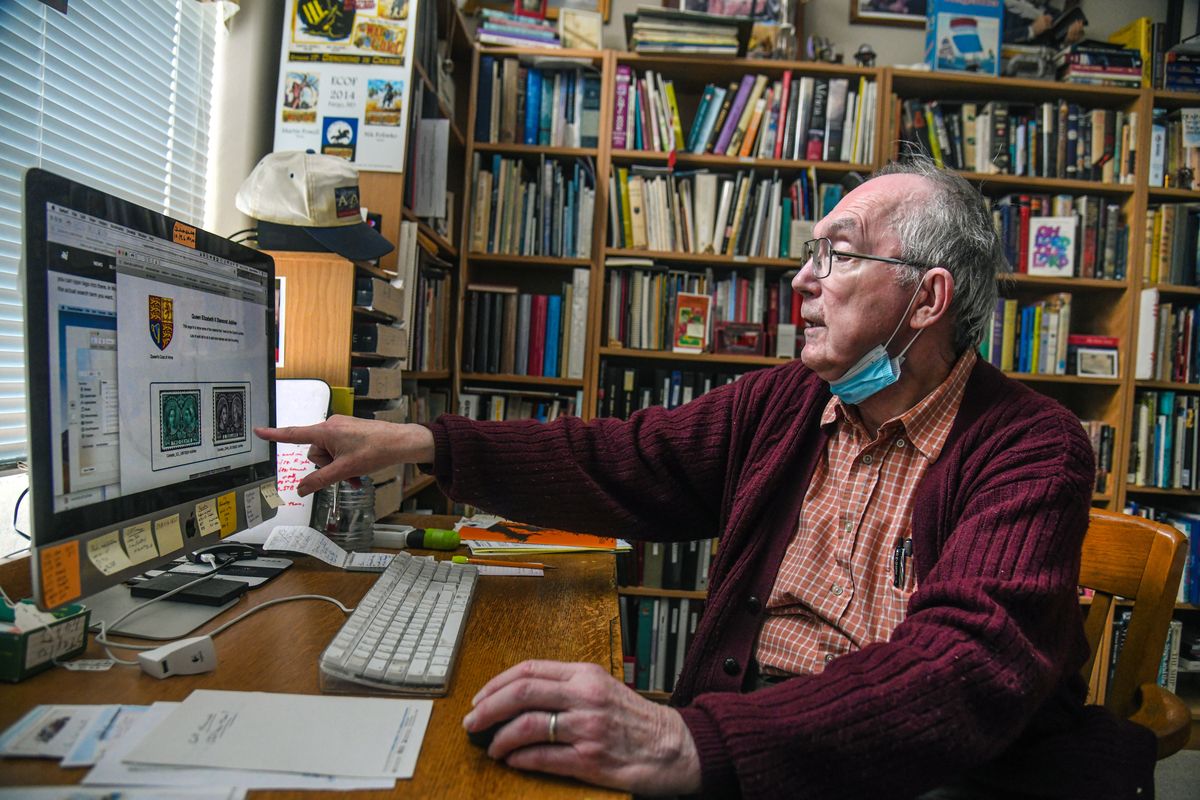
x=903, y=317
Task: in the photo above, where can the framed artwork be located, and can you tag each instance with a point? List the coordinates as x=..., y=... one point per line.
x=1098, y=362
x=902, y=13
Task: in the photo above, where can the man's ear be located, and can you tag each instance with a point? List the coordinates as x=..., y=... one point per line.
x=933, y=302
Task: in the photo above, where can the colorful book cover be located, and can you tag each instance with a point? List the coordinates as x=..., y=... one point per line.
x=691, y=322
x=963, y=35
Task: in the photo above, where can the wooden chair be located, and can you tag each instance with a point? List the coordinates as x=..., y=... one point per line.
x=1140, y=560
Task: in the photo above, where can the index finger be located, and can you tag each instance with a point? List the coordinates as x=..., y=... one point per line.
x=296, y=434
x=551, y=670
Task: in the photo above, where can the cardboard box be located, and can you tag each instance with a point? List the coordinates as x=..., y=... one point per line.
x=963, y=36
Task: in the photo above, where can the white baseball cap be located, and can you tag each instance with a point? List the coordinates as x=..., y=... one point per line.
x=317, y=193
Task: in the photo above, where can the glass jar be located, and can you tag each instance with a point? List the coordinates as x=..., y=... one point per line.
x=345, y=512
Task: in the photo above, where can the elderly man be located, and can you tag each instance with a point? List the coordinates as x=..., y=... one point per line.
x=892, y=609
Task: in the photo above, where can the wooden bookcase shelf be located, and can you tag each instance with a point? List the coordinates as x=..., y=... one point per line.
x=1100, y=306
x=442, y=243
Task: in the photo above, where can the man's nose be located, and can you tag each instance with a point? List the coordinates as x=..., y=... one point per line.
x=805, y=282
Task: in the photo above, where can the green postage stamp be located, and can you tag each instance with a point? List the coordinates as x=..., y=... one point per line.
x=179, y=419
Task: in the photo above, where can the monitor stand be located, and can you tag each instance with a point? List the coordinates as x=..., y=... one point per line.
x=161, y=620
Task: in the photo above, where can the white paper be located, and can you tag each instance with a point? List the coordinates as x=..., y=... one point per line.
x=311, y=542
x=526, y=572
x=78, y=793
x=369, y=562
x=47, y=731
x=478, y=521
x=93, y=739
x=375, y=737
x=111, y=771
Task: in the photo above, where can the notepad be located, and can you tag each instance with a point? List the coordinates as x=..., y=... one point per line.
x=311, y=542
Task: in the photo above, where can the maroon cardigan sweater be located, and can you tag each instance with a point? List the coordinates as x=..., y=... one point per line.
x=979, y=683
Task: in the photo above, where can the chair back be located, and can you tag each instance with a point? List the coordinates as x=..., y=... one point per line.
x=1140, y=560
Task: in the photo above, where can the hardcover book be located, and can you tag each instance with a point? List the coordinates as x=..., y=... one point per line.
x=691, y=322
x=1052, y=246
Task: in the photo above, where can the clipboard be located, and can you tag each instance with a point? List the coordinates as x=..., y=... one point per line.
x=298, y=401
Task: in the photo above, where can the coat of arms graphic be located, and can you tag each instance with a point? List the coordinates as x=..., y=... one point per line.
x=162, y=320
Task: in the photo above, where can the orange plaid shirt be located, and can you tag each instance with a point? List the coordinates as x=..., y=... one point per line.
x=835, y=591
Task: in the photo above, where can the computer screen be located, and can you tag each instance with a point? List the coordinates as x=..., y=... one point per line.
x=149, y=359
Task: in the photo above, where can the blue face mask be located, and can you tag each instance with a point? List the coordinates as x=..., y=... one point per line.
x=875, y=371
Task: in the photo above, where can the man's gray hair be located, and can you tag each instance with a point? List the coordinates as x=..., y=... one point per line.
x=951, y=228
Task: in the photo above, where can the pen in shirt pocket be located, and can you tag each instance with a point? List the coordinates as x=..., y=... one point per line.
x=901, y=562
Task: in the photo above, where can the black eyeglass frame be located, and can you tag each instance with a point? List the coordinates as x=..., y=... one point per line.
x=819, y=275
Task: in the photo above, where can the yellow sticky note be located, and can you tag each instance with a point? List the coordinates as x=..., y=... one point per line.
x=106, y=554
x=206, y=518
x=59, y=573
x=168, y=534
x=139, y=543
x=227, y=513
x=270, y=495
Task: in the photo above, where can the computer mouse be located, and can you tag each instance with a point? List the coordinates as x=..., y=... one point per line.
x=224, y=553
x=484, y=737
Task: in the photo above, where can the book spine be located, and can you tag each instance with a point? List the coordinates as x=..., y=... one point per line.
x=533, y=111
x=735, y=114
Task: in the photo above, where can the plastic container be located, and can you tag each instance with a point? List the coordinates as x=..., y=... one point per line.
x=346, y=513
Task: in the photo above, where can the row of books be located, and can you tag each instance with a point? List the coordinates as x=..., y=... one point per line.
x=490, y=403
x=1029, y=337
x=1170, y=153
x=521, y=104
x=655, y=634
x=1096, y=245
x=1181, y=72
x=1188, y=523
x=1149, y=39
x=509, y=332
x=626, y=388
x=795, y=117
x=533, y=209
x=1103, y=438
x=503, y=29
x=1171, y=252
x=429, y=343
x=1168, y=346
x=1168, y=666
x=1165, y=451
x=641, y=300
x=1046, y=140
x=667, y=565
x=742, y=214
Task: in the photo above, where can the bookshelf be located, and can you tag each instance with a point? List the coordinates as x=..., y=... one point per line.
x=1101, y=304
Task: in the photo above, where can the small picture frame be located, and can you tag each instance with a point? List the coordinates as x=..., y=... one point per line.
x=580, y=30
x=535, y=9
x=1096, y=362
x=740, y=338
x=691, y=322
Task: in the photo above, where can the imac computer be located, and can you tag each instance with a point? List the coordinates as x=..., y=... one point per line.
x=149, y=360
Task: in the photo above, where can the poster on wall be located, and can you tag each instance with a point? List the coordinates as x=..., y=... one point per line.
x=345, y=69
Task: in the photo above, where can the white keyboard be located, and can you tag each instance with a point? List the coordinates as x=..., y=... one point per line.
x=404, y=635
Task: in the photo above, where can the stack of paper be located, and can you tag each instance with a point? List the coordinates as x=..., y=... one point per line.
x=513, y=538
x=247, y=740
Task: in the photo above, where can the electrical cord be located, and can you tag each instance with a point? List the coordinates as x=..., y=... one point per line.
x=102, y=634
x=16, y=509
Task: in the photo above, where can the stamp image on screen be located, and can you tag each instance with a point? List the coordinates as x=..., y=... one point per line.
x=229, y=407
x=179, y=420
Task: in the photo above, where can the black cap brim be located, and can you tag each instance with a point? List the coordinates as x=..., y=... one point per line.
x=356, y=242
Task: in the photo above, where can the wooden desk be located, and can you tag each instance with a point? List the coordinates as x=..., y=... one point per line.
x=570, y=615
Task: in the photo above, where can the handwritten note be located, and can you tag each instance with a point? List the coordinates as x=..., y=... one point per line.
x=227, y=513
x=206, y=518
x=139, y=543
x=59, y=573
x=253, y=510
x=302, y=539
x=169, y=536
x=291, y=465
x=271, y=494
x=106, y=554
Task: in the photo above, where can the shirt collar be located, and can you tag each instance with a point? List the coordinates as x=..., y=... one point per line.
x=927, y=424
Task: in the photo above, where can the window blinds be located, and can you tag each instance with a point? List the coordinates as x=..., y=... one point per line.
x=115, y=94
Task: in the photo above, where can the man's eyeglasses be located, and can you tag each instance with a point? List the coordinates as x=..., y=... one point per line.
x=821, y=252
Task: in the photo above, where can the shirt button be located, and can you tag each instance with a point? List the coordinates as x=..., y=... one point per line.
x=837, y=590
x=867, y=459
x=731, y=666
x=754, y=605
x=829, y=658
x=899, y=443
